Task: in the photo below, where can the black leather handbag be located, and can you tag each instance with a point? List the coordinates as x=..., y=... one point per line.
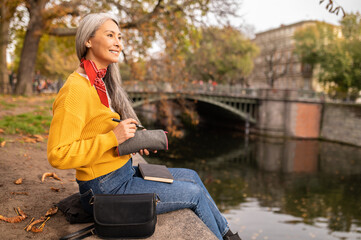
x=121, y=216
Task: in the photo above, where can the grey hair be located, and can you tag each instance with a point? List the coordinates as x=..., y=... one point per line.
x=119, y=98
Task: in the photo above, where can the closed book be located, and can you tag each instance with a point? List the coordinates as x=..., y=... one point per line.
x=155, y=172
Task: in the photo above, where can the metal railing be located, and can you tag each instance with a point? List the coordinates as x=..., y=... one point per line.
x=226, y=90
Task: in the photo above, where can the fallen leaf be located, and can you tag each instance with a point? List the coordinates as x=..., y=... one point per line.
x=18, y=181
x=19, y=193
x=31, y=224
x=48, y=174
x=21, y=216
x=55, y=189
x=38, y=138
x=2, y=144
x=34, y=229
x=1, y=130
x=41, y=227
x=51, y=211
x=30, y=140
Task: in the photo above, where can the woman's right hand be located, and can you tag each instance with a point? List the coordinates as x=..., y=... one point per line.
x=125, y=130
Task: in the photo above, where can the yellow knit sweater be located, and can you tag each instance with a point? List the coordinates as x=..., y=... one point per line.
x=81, y=135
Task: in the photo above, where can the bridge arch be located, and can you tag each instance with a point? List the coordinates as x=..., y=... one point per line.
x=241, y=107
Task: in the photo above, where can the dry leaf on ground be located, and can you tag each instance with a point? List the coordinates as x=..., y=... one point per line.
x=55, y=189
x=28, y=140
x=38, y=138
x=19, y=193
x=31, y=226
x=51, y=211
x=21, y=216
x=32, y=223
x=1, y=130
x=2, y=144
x=48, y=174
x=18, y=181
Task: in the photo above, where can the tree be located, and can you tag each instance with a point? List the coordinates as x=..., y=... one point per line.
x=56, y=56
x=341, y=64
x=310, y=43
x=272, y=60
x=336, y=50
x=224, y=55
x=7, y=10
x=143, y=21
x=42, y=16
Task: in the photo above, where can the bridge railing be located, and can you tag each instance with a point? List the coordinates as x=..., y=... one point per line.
x=190, y=88
x=226, y=90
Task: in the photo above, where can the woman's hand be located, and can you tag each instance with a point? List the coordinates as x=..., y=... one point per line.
x=145, y=151
x=125, y=130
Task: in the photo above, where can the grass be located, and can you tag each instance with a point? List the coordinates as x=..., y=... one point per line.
x=37, y=122
x=7, y=105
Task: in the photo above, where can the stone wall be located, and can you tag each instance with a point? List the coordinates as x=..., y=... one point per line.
x=341, y=123
x=284, y=114
x=289, y=118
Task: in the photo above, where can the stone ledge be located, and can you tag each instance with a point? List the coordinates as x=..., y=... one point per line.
x=178, y=225
x=181, y=224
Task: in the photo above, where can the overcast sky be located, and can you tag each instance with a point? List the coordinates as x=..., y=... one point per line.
x=267, y=14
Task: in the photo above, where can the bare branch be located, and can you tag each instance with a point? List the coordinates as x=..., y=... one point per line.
x=331, y=9
x=147, y=17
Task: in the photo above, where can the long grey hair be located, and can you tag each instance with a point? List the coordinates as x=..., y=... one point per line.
x=119, y=98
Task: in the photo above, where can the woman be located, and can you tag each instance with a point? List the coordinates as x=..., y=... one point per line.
x=83, y=136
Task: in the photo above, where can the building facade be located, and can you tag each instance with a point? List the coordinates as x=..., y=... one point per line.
x=277, y=66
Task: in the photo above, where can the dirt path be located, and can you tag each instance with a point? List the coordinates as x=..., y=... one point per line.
x=19, y=159
x=28, y=161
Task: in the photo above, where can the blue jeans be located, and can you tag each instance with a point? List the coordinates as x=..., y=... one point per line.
x=186, y=191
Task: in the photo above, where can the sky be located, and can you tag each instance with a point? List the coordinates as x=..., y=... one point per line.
x=264, y=15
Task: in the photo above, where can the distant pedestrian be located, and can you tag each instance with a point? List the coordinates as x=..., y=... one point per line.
x=11, y=82
x=59, y=84
x=36, y=82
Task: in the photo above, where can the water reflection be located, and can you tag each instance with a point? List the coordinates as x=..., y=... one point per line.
x=315, y=184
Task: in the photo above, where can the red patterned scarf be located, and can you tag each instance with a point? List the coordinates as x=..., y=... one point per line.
x=95, y=77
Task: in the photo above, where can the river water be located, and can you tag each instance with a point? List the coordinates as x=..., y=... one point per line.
x=273, y=188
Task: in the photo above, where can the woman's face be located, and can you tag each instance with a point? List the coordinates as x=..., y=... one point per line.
x=104, y=48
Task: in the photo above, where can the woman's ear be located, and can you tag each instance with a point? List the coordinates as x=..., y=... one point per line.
x=88, y=44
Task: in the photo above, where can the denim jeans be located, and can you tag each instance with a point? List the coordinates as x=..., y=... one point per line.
x=186, y=191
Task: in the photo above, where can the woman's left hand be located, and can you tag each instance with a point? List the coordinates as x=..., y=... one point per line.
x=145, y=151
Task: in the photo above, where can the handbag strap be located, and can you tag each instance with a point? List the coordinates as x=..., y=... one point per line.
x=82, y=233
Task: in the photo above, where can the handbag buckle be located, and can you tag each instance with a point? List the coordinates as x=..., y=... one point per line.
x=91, y=200
x=157, y=199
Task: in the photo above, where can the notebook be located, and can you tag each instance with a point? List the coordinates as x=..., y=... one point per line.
x=155, y=172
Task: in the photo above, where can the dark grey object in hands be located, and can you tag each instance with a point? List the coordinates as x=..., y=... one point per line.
x=148, y=139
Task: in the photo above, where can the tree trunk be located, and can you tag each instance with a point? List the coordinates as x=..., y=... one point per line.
x=30, y=48
x=4, y=33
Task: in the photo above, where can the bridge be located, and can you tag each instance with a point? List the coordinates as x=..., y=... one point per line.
x=274, y=112
x=240, y=102
x=243, y=102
